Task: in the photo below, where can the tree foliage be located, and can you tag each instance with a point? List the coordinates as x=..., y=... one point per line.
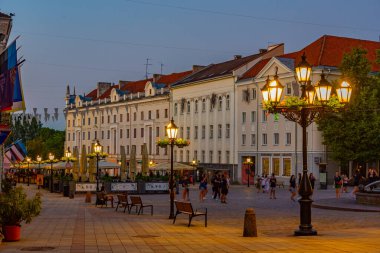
x=354, y=134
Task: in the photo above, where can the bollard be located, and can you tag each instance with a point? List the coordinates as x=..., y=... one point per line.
x=250, y=229
x=88, y=197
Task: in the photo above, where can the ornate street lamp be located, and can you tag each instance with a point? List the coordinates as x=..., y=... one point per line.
x=51, y=158
x=248, y=170
x=304, y=115
x=172, y=131
x=98, y=150
x=194, y=164
x=28, y=173
x=39, y=159
x=68, y=155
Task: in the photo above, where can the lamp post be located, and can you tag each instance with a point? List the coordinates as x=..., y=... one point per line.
x=51, y=158
x=172, y=131
x=304, y=114
x=248, y=170
x=28, y=173
x=97, y=150
x=39, y=159
x=194, y=164
x=68, y=155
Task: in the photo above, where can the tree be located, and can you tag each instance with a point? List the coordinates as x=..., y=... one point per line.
x=354, y=134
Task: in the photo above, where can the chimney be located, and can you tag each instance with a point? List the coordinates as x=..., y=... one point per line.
x=237, y=56
x=197, y=68
x=262, y=50
x=102, y=87
x=156, y=77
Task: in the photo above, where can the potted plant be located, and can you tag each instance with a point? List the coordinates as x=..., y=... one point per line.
x=163, y=142
x=181, y=142
x=15, y=208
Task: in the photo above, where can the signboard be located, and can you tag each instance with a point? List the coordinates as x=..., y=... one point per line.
x=122, y=187
x=84, y=187
x=157, y=186
x=40, y=179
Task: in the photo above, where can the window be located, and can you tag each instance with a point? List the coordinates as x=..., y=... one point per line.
x=121, y=133
x=182, y=107
x=228, y=102
x=142, y=148
x=195, y=132
x=88, y=135
x=287, y=167
x=188, y=107
x=165, y=132
x=175, y=109
x=134, y=132
x=265, y=139
x=68, y=123
x=166, y=151
x=96, y=120
x=227, y=131
x=121, y=118
x=187, y=132
x=203, y=105
x=157, y=114
x=102, y=135
x=181, y=132
x=288, y=89
x=276, y=166
x=253, y=139
x=276, y=137
x=166, y=113
x=108, y=118
x=114, y=118
x=134, y=116
x=175, y=156
x=127, y=134
x=68, y=136
x=83, y=121
x=219, y=156
x=149, y=114
x=142, y=132
x=203, y=132
x=83, y=135
x=253, y=94
x=102, y=119
x=211, y=131
x=243, y=139
x=127, y=150
x=265, y=165
x=220, y=103
x=142, y=115
x=157, y=150
x=108, y=134
x=203, y=156
x=219, y=131
x=96, y=135
x=196, y=106
x=253, y=117
x=157, y=131
x=227, y=156
x=264, y=116
x=187, y=156
x=89, y=121
x=210, y=156
x=288, y=138
x=73, y=136
x=181, y=155
x=127, y=116
x=243, y=117
x=195, y=155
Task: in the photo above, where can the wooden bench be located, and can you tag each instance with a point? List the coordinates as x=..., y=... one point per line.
x=102, y=198
x=187, y=208
x=137, y=202
x=122, y=200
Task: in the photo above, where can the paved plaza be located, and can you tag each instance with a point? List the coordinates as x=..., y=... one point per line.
x=71, y=225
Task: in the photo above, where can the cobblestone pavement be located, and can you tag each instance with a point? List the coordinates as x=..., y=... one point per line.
x=71, y=225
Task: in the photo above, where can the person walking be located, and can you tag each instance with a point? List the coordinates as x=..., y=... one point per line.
x=345, y=183
x=312, y=181
x=292, y=187
x=272, y=183
x=357, y=177
x=203, y=188
x=224, y=189
x=338, y=184
x=217, y=186
x=263, y=182
x=258, y=184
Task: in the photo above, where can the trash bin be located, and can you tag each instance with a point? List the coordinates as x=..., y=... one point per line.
x=66, y=189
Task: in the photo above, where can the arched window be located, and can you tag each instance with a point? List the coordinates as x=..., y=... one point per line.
x=188, y=107
x=220, y=102
x=196, y=106
x=203, y=105
x=228, y=102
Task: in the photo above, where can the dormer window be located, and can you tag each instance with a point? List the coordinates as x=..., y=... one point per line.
x=150, y=91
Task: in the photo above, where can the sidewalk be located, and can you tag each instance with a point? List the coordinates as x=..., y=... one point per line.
x=71, y=225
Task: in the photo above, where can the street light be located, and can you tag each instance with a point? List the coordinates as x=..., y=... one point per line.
x=39, y=159
x=51, y=158
x=28, y=173
x=172, y=131
x=248, y=170
x=304, y=115
x=194, y=164
x=67, y=155
x=97, y=149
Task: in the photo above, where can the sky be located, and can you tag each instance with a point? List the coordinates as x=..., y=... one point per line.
x=82, y=42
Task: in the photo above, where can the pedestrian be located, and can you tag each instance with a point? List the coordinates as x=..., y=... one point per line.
x=299, y=180
x=258, y=184
x=272, y=182
x=224, y=189
x=345, y=183
x=371, y=177
x=185, y=191
x=217, y=186
x=357, y=177
x=292, y=187
x=203, y=188
x=312, y=181
x=263, y=182
x=338, y=184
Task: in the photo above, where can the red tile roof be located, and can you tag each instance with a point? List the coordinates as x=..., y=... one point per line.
x=93, y=94
x=255, y=69
x=328, y=51
x=107, y=93
x=172, y=78
x=135, y=86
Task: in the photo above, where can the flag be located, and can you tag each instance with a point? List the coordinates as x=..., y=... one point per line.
x=16, y=152
x=9, y=76
x=5, y=131
x=18, y=94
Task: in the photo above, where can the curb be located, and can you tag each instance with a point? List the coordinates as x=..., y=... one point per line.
x=344, y=208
